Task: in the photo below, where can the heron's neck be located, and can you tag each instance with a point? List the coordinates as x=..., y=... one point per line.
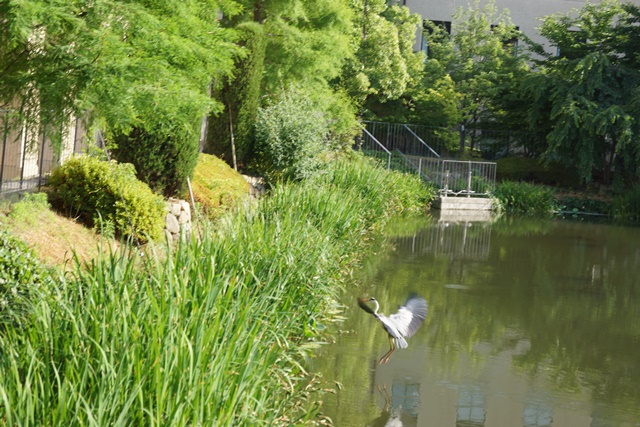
x=375, y=310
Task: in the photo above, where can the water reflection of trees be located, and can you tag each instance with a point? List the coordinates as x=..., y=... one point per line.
x=561, y=299
x=569, y=290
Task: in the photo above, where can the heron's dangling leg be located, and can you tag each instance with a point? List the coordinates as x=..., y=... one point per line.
x=384, y=359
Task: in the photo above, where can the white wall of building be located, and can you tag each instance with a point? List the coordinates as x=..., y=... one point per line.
x=526, y=14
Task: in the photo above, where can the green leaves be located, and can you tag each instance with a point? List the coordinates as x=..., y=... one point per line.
x=587, y=94
x=290, y=136
x=97, y=191
x=129, y=64
x=481, y=60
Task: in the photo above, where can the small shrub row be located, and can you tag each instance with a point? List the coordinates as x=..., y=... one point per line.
x=525, y=198
x=101, y=193
x=584, y=205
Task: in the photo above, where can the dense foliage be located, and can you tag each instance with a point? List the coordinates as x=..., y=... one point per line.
x=216, y=187
x=477, y=67
x=107, y=194
x=586, y=99
x=230, y=135
x=163, y=157
x=129, y=64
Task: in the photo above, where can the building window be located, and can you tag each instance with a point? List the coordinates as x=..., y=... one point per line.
x=427, y=30
x=511, y=43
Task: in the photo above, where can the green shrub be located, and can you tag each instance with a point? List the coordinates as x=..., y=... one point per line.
x=96, y=191
x=626, y=207
x=164, y=157
x=22, y=275
x=525, y=198
x=290, y=136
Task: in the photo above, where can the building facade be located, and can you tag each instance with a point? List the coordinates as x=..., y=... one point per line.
x=525, y=14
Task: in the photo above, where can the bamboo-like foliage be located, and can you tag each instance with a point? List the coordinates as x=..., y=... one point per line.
x=213, y=334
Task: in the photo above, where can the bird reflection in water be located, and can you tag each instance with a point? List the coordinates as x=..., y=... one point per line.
x=400, y=325
x=393, y=413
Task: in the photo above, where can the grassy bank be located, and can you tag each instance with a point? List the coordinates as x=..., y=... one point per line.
x=214, y=334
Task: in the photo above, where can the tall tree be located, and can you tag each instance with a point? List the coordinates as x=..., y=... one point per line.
x=138, y=67
x=230, y=133
x=588, y=95
x=384, y=67
x=482, y=59
x=305, y=44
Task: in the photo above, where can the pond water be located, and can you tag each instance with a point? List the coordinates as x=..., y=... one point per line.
x=530, y=323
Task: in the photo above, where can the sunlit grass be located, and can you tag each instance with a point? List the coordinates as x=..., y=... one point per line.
x=213, y=335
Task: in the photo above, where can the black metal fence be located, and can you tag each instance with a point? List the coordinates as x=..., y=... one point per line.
x=28, y=155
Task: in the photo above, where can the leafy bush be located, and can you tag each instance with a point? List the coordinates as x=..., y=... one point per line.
x=626, y=207
x=525, y=198
x=163, y=157
x=97, y=191
x=290, y=136
x=21, y=276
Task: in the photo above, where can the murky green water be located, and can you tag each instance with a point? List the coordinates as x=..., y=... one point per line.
x=530, y=323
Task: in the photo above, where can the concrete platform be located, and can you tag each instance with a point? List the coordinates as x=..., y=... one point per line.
x=461, y=216
x=463, y=203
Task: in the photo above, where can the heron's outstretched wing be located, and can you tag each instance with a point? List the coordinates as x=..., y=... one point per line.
x=410, y=316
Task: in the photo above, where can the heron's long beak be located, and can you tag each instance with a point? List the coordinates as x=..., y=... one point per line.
x=362, y=302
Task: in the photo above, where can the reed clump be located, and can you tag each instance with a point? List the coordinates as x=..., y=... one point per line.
x=213, y=334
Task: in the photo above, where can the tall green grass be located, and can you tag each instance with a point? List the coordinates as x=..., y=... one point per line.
x=213, y=334
x=626, y=207
x=525, y=198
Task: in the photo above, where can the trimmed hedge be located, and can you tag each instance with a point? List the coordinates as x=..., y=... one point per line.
x=216, y=186
x=101, y=193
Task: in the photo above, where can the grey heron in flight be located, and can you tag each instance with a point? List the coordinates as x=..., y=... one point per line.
x=400, y=325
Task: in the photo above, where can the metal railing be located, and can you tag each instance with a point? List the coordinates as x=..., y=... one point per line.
x=370, y=145
x=463, y=178
x=429, y=141
x=27, y=155
x=451, y=177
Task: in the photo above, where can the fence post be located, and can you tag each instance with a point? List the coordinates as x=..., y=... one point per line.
x=4, y=148
x=469, y=181
x=446, y=183
x=44, y=139
x=419, y=167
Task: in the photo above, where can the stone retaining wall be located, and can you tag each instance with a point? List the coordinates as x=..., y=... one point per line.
x=177, y=219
